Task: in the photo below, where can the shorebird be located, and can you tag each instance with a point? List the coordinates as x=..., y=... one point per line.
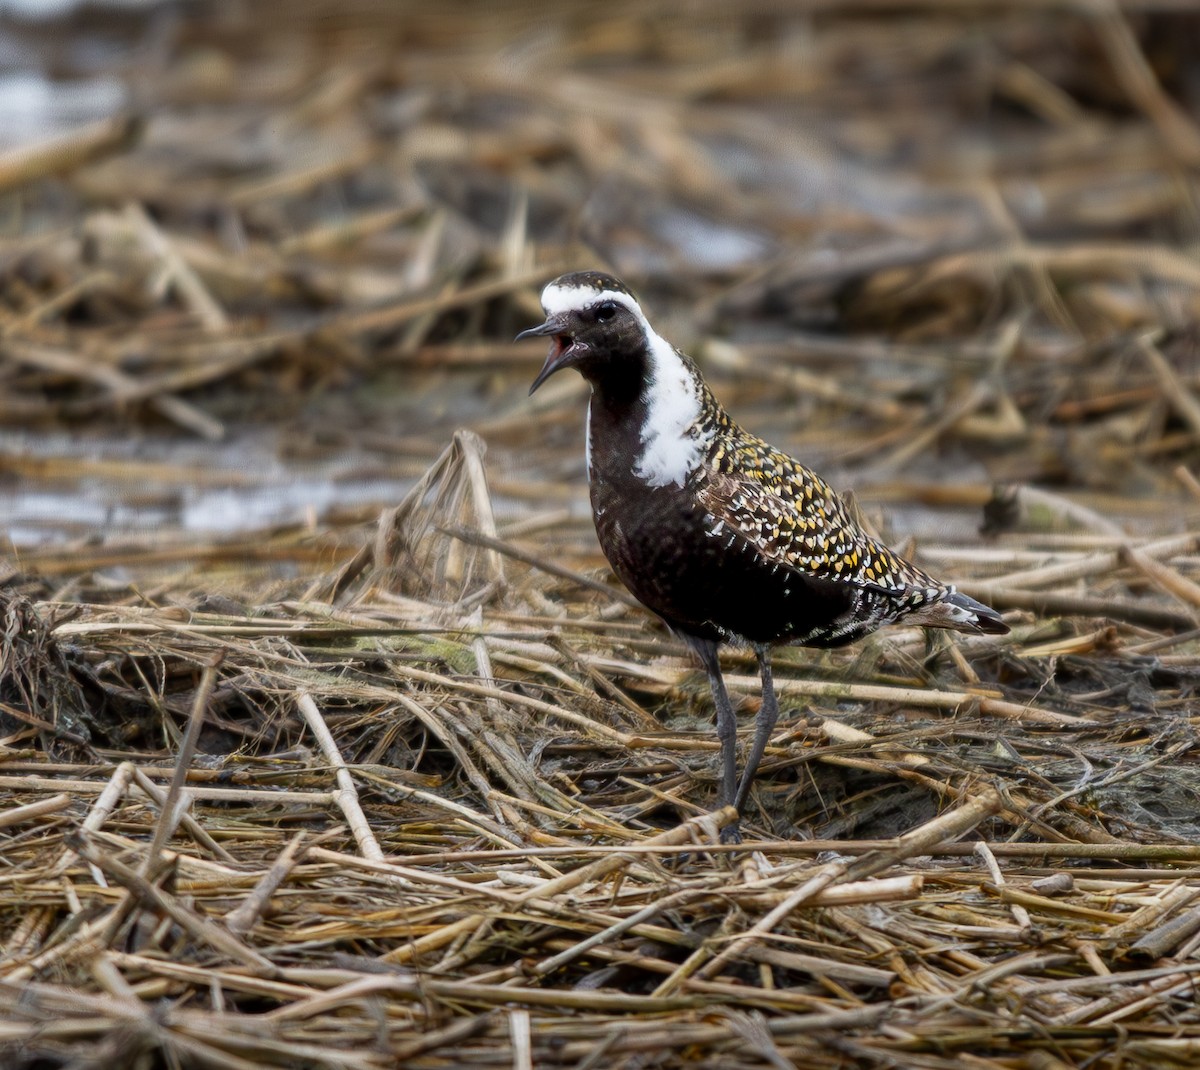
x=723, y=536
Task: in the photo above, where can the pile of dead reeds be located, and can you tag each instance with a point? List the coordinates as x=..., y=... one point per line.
x=424, y=813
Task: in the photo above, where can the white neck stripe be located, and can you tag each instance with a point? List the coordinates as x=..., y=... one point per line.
x=673, y=444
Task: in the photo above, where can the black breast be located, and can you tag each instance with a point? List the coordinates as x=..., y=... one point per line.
x=717, y=586
x=699, y=577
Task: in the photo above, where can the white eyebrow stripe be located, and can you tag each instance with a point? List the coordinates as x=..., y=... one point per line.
x=558, y=299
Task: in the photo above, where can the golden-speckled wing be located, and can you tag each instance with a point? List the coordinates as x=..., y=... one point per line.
x=794, y=518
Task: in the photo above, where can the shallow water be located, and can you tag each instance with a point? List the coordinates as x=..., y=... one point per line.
x=196, y=488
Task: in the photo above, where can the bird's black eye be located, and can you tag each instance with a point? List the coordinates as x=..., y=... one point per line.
x=606, y=311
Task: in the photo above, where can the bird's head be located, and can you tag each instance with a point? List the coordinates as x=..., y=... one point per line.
x=594, y=324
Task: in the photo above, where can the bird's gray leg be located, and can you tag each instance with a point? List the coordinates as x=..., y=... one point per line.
x=768, y=713
x=726, y=730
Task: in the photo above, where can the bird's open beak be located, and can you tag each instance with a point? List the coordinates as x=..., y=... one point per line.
x=563, y=348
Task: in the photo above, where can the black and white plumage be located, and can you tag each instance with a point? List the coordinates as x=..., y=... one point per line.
x=723, y=536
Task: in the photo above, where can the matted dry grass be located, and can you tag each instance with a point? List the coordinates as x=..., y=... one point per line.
x=434, y=820
x=417, y=784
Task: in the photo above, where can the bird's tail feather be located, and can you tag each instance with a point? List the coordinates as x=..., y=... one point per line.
x=960, y=612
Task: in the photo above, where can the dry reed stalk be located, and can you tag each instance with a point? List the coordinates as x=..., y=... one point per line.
x=168, y=816
x=69, y=152
x=178, y=274
x=1163, y=576
x=346, y=795
x=91, y=787
x=18, y=815
x=1131, y=852
x=835, y=692
x=696, y=830
x=241, y=920
x=201, y=929
x=495, y=545
x=1094, y=564
x=107, y=799
x=119, y=388
x=174, y=810
x=1138, y=79
x=1049, y=603
x=948, y=826
x=1061, y=507
x=406, y=311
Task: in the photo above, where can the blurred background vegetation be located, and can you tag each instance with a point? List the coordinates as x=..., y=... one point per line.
x=256, y=266
x=283, y=539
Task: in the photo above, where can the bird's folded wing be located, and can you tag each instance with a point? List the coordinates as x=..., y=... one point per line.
x=793, y=518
